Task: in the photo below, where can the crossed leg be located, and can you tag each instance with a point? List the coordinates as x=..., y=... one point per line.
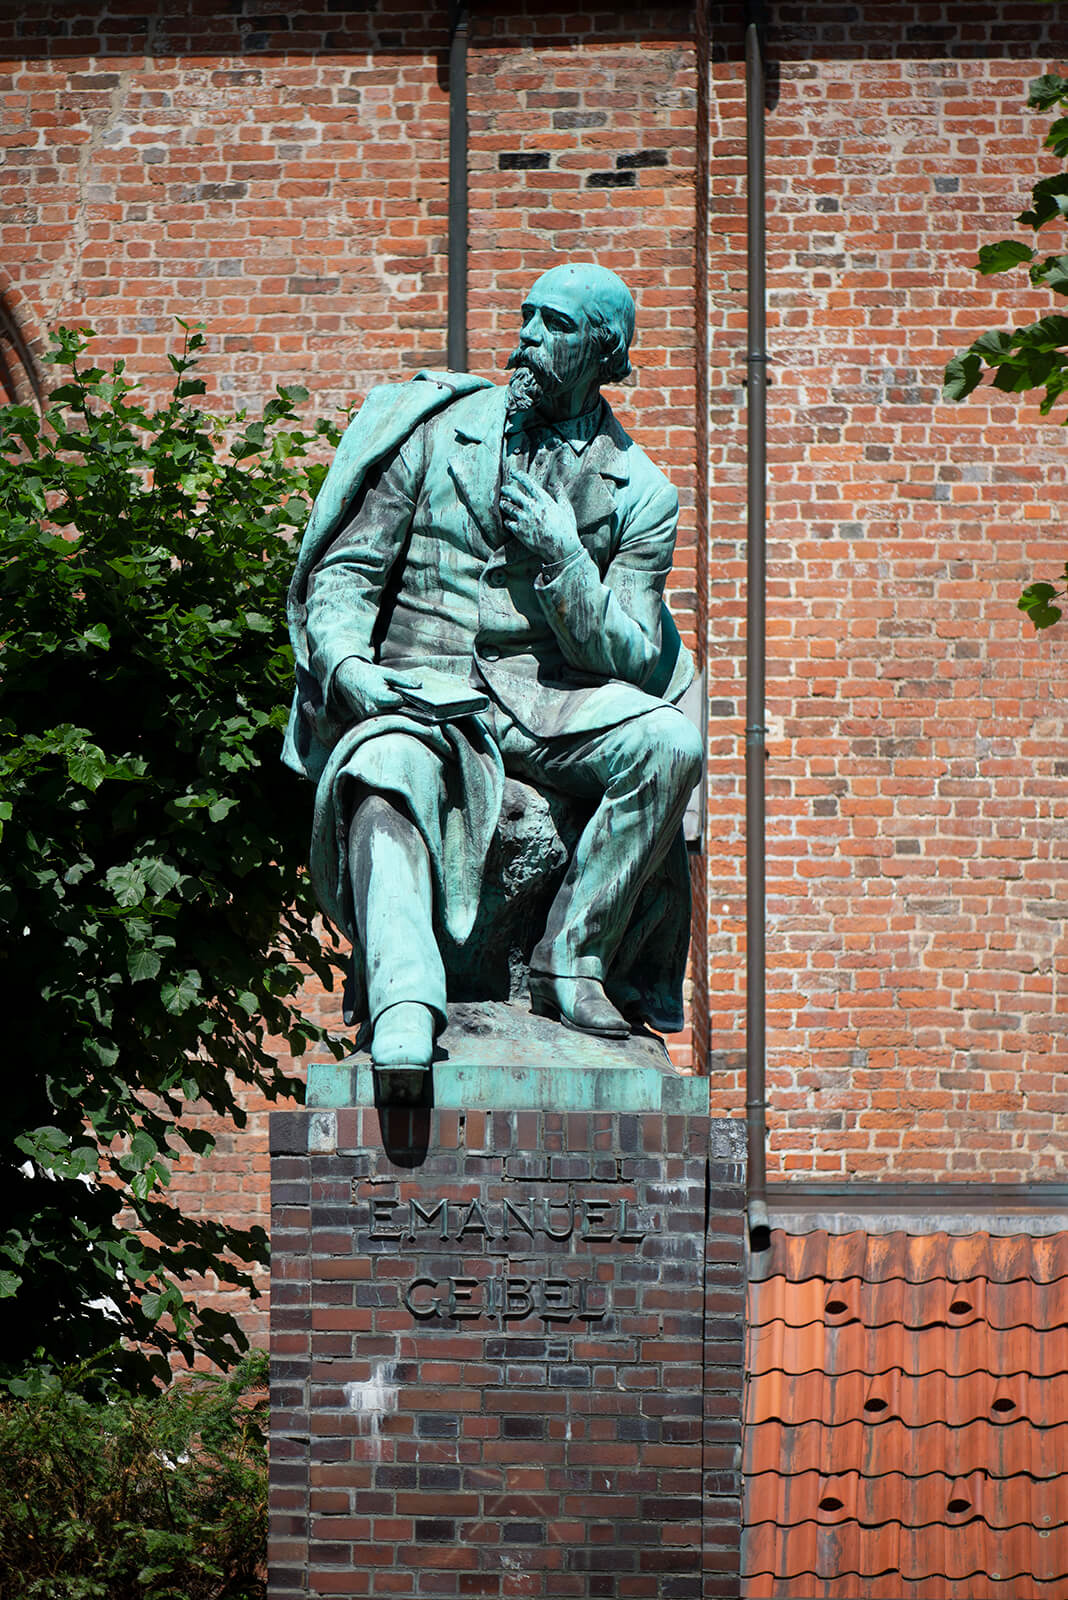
x=641, y=774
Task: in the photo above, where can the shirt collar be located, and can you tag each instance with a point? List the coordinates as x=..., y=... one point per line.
x=578, y=432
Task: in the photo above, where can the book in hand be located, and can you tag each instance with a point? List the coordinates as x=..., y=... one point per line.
x=436, y=696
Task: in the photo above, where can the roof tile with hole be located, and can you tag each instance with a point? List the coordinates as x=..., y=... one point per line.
x=907, y=1419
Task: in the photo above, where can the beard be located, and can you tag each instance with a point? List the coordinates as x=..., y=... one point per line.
x=528, y=385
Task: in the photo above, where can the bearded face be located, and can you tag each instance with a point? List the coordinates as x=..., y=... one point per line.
x=558, y=354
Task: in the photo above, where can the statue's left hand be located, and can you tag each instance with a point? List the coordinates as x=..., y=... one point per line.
x=531, y=515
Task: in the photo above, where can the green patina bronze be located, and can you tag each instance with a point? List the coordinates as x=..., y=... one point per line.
x=481, y=639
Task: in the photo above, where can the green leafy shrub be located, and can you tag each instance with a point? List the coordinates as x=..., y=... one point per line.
x=154, y=921
x=161, y=1498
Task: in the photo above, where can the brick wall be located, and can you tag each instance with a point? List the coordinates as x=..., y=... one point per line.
x=918, y=854
x=506, y=1354
x=284, y=177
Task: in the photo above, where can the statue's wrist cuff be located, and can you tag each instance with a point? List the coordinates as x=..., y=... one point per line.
x=553, y=569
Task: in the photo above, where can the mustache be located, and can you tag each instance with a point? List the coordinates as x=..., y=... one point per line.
x=519, y=360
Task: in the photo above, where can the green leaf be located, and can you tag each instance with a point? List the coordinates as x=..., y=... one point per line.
x=1048, y=333
x=963, y=374
x=992, y=346
x=143, y=1148
x=82, y=1162
x=142, y=963
x=178, y=997
x=153, y=1306
x=127, y=884
x=87, y=766
x=1035, y=601
x=160, y=877
x=1049, y=199
x=1002, y=256
x=1046, y=91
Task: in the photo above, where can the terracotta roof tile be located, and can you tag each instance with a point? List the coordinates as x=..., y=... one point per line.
x=998, y=1448
x=918, y=1258
x=1022, y=1303
x=907, y=1419
x=891, y=1586
x=916, y=1502
x=972, y=1550
x=915, y=1401
x=973, y=1348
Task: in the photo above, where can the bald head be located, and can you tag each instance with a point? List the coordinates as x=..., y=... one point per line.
x=604, y=301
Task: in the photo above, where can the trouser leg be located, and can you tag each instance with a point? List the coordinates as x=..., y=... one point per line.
x=393, y=899
x=642, y=774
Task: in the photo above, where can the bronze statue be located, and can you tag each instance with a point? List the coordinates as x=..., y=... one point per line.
x=480, y=593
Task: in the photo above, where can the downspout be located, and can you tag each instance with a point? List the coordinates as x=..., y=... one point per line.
x=456, y=313
x=756, y=579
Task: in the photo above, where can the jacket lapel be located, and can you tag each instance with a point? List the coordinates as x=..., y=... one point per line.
x=597, y=479
x=475, y=465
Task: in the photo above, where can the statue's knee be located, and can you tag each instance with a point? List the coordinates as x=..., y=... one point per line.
x=373, y=811
x=676, y=746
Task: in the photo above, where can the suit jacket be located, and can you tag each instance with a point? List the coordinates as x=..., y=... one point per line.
x=416, y=567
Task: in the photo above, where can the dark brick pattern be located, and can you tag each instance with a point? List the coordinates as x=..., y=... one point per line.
x=578, y=1435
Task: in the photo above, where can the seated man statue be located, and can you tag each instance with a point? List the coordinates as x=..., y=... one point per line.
x=509, y=543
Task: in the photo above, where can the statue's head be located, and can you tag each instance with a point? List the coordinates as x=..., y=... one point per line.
x=578, y=322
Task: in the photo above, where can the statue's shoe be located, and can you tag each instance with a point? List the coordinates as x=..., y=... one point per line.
x=579, y=1003
x=403, y=1036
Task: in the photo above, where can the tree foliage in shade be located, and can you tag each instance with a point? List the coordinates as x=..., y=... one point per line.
x=154, y=921
x=1034, y=356
x=160, y=1497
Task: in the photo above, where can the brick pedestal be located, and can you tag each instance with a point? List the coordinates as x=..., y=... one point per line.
x=507, y=1352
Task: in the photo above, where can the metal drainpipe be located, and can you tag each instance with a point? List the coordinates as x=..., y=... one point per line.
x=756, y=579
x=456, y=333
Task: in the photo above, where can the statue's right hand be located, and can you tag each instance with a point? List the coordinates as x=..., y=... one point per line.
x=365, y=687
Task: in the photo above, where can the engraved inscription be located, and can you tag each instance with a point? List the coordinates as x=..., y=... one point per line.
x=448, y=1220
x=506, y=1299
x=503, y=1262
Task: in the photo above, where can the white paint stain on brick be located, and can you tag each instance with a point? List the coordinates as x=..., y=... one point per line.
x=322, y=1135
x=374, y=1398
